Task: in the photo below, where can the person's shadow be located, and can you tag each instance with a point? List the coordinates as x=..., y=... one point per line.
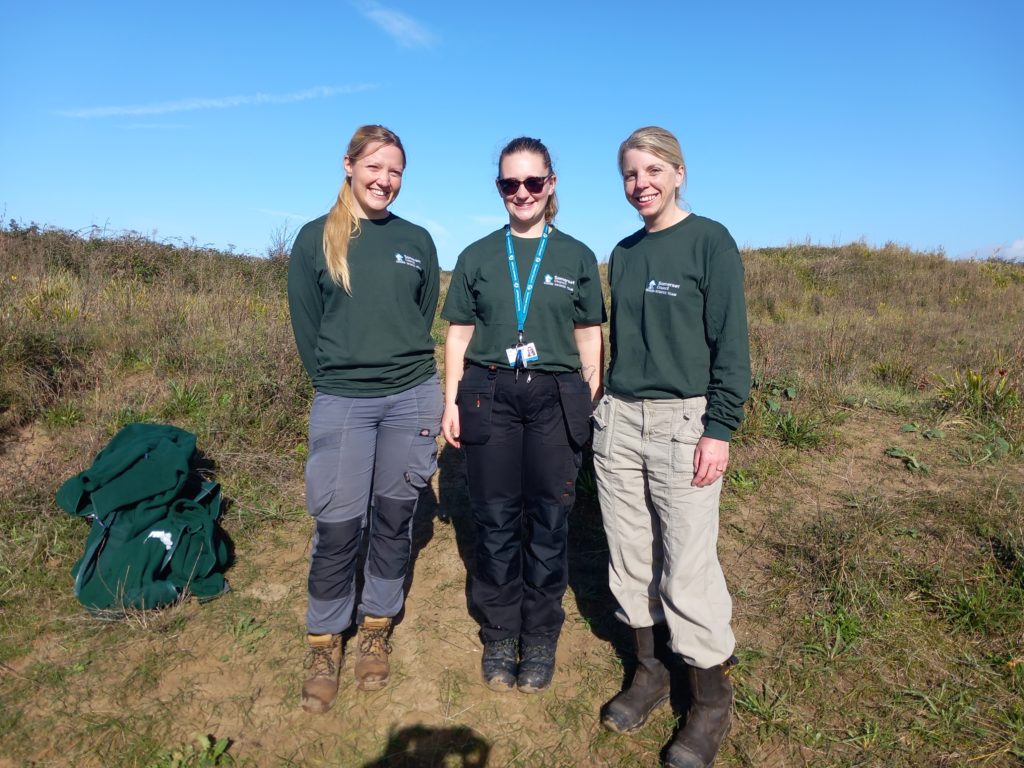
x=422, y=533
x=453, y=509
x=418, y=746
x=588, y=565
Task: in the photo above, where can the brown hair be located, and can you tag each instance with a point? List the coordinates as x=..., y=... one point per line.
x=536, y=147
x=342, y=223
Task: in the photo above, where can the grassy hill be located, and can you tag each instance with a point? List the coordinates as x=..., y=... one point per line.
x=872, y=530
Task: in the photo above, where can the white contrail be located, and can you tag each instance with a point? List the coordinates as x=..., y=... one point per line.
x=223, y=102
x=403, y=29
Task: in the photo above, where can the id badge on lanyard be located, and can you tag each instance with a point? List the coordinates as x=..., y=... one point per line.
x=522, y=353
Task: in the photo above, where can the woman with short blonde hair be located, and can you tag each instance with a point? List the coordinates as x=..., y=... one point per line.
x=674, y=394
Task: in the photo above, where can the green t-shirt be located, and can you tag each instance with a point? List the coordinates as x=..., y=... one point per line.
x=377, y=341
x=679, y=319
x=567, y=293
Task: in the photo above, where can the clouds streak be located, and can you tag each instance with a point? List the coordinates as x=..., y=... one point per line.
x=223, y=102
x=403, y=29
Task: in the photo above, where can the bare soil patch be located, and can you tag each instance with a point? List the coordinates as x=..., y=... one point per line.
x=232, y=667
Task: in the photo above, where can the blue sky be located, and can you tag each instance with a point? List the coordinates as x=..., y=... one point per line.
x=224, y=122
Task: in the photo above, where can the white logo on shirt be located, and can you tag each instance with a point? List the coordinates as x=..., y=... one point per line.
x=163, y=537
x=409, y=261
x=559, y=282
x=662, y=288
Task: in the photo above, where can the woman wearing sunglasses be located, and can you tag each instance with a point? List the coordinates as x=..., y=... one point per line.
x=523, y=359
x=362, y=289
x=679, y=375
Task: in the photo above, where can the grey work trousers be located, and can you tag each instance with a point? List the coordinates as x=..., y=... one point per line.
x=369, y=458
x=662, y=532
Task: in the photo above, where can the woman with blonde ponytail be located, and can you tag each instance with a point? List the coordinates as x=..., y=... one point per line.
x=362, y=289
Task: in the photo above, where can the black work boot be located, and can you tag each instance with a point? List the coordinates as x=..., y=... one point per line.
x=500, y=663
x=629, y=709
x=697, y=742
x=538, y=664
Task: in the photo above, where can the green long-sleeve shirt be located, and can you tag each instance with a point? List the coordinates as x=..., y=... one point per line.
x=377, y=341
x=679, y=320
x=567, y=293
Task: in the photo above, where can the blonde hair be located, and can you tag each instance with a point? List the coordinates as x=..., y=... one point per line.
x=342, y=223
x=657, y=141
x=536, y=147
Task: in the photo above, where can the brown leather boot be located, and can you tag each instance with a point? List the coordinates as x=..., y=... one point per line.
x=372, y=665
x=629, y=709
x=697, y=742
x=324, y=661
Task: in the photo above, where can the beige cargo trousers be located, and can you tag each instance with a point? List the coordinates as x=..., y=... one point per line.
x=662, y=532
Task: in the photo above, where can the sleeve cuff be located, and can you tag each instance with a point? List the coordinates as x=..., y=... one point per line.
x=718, y=431
x=454, y=317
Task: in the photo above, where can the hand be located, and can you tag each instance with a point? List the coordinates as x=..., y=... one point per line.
x=710, y=460
x=450, y=425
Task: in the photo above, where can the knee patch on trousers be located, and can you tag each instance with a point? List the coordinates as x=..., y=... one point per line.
x=498, y=544
x=390, y=537
x=332, y=566
x=546, y=549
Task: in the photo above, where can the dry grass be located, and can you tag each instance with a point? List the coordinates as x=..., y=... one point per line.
x=879, y=601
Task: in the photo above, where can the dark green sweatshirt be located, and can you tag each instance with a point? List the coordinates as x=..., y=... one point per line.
x=377, y=341
x=679, y=320
x=154, y=522
x=567, y=293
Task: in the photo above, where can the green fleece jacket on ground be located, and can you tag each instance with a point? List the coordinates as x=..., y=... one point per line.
x=154, y=522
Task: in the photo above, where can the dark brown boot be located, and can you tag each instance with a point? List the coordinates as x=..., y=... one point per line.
x=324, y=661
x=629, y=709
x=707, y=723
x=372, y=664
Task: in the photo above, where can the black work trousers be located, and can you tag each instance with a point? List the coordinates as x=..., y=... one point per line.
x=522, y=436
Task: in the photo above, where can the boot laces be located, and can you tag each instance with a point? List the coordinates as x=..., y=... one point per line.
x=508, y=646
x=374, y=642
x=320, y=661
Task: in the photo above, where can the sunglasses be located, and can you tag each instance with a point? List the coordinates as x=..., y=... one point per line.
x=534, y=185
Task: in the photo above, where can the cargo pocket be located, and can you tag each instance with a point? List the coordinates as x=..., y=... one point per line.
x=422, y=461
x=577, y=408
x=322, y=472
x=475, y=400
x=601, y=421
x=687, y=429
x=422, y=458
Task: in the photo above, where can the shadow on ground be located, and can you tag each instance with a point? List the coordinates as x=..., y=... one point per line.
x=453, y=509
x=418, y=746
x=588, y=567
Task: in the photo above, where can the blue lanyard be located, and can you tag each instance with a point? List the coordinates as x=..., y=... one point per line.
x=523, y=302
